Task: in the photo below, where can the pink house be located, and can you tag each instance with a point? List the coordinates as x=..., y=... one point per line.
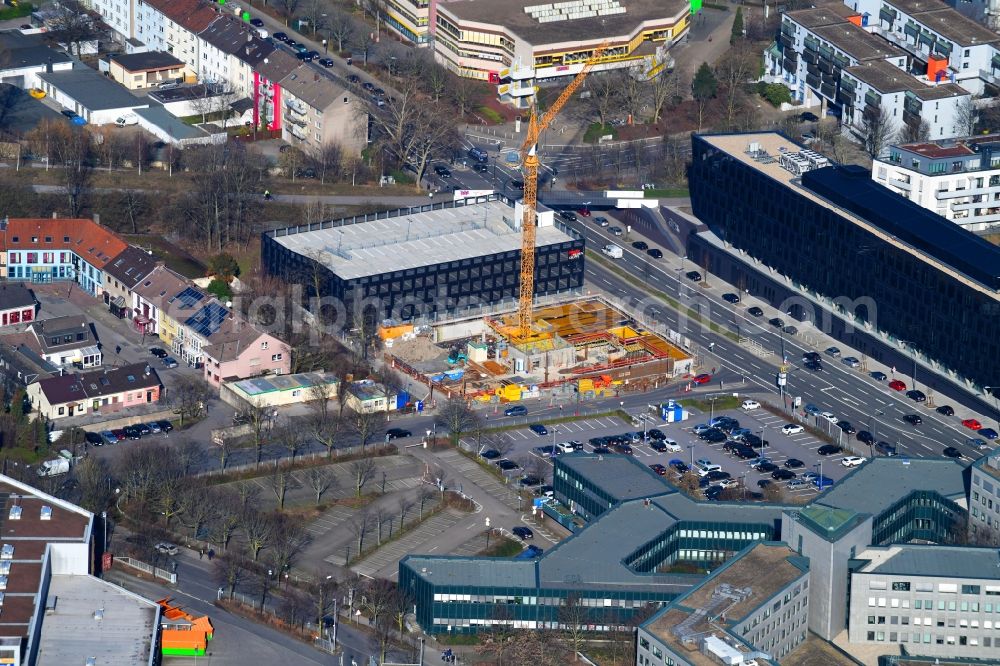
x=239, y=351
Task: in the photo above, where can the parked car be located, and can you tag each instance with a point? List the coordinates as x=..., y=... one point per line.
x=538, y=429
x=659, y=469
x=94, y=439
x=916, y=396
x=165, y=426
x=897, y=385
x=731, y=298
x=694, y=276
x=166, y=548
x=640, y=245
x=972, y=424
x=795, y=484
x=490, y=454
x=755, y=311
x=257, y=23
x=616, y=231
x=522, y=532
x=158, y=352
x=280, y=36
x=777, y=322
x=832, y=352
x=782, y=474
x=108, y=437
x=507, y=465
x=851, y=362
x=791, y=429
x=878, y=376
x=529, y=481
x=655, y=253
x=828, y=450
x=851, y=461
x=132, y=432
x=397, y=433
x=170, y=362
x=794, y=463
x=120, y=434
x=947, y=410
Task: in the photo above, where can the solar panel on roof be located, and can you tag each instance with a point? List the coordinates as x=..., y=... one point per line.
x=188, y=297
x=208, y=320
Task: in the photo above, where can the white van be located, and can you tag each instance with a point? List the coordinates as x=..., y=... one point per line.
x=127, y=119
x=612, y=251
x=261, y=33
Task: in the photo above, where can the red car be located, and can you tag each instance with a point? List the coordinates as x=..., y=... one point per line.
x=897, y=385
x=972, y=424
x=583, y=212
x=702, y=378
x=659, y=469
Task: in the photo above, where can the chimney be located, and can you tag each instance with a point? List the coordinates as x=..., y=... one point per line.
x=97, y=218
x=54, y=215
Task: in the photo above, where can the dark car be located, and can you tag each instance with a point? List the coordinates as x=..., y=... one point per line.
x=694, y=276
x=507, y=465
x=886, y=449
x=658, y=445
x=132, y=432
x=913, y=419
x=731, y=298
x=523, y=532
x=755, y=312
x=490, y=454
x=257, y=23
x=656, y=433
x=777, y=322
x=529, y=481
x=479, y=167
x=567, y=215
x=782, y=474
x=952, y=452
x=640, y=245
x=828, y=450
x=713, y=492
x=326, y=62
x=790, y=330
x=764, y=483
x=846, y=427
x=354, y=78
x=713, y=435
x=442, y=171
x=603, y=450
x=947, y=410
x=808, y=117
x=679, y=467
x=655, y=253
x=157, y=352
x=812, y=356
x=794, y=463
x=143, y=429
x=866, y=437
x=93, y=439
x=120, y=434
x=745, y=453
x=292, y=43
x=397, y=433
x=622, y=448
x=815, y=366
x=165, y=426
x=767, y=468
x=516, y=410
x=878, y=376
x=281, y=37
x=659, y=469
x=538, y=429
x=916, y=396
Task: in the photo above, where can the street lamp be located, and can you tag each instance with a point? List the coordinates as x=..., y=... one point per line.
x=913, y=351
x=691, y=448
x=996, y=408
x=325, y=51
x=555, y=429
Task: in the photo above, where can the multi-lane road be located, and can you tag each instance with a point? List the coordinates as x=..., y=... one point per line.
x=849, y=393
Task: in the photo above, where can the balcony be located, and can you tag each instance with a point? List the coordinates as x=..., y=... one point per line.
x=296, y=106
x=810, y=56
x=786, y=41
x=813, y=81
x=900, y=183
x=829, y=90
x=789, y=66
x=845, y=98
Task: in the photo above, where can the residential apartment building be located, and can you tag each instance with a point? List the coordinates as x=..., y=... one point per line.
x=17, y=304
x=984, y=501
x=65, y=341
x=928, y=600
x=238, y=350
x=103, y=391
x=119, y=15
x=151, y=298
x=755, y=607
x=230, y=50
x=317, y=112
x=267, y=103
x=909, y=104
x=516, y=46
x=957, y=179
x=44, y=250
x=121, y=275
x=173, y=26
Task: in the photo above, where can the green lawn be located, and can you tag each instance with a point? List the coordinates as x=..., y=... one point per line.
x=490, y=115
x=24, y=9
x=597, y=130
x=668, y=193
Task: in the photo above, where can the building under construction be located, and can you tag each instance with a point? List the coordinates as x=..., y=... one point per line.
x=587, y=342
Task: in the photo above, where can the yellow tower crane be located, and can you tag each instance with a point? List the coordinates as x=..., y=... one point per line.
x=529, y=163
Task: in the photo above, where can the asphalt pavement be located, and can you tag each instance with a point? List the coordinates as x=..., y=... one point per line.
x=849, y=393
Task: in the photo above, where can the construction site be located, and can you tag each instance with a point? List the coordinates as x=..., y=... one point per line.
x=587, y=343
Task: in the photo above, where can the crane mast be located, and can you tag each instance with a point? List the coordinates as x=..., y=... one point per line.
x=530, y=163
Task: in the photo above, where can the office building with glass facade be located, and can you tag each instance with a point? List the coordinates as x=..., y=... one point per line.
x=422, y=263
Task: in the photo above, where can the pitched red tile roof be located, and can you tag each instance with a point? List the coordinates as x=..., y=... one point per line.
x=193, y=15
x=97, y=245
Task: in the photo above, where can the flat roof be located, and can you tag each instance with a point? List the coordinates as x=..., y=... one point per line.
x=858, y=42
x=831, y=13
x=884, y=77
x=881, y=482
x=92, y=90
x=478, y=571
x=814, y=651
x=146, y=60
x=902, y=223
x=989, y=464
x=931, y=560
x=169, y=123
x=510, y=16
x=419, y=238
x=70, y=633
x=938, y=150
x=21, y=50
x=622, y=477
x=755, y=575
x=948, y=23
x=279, y=383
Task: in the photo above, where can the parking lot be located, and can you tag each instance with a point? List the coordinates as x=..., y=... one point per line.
x=525, y=445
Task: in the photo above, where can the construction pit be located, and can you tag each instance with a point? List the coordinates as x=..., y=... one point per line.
x=585, y=343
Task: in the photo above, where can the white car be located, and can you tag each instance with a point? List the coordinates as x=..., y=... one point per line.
x=729, y=483
x=851, y=461
x=829, y=416
x=566, y=447
x=750, y=404
x=671, y=445
x=791, y=429
x=166, y=548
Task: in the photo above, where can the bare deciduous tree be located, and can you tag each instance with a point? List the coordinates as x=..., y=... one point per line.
x=278, y=481
x=361, y=525
x=456, y=417
x=258, y=529
x=877, y=130
x=604, y=95
x=966, y=117
x=365, y=425
x=320, y=480
x=362, y=471
x=341, y=28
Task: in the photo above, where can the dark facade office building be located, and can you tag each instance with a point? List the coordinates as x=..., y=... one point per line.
x=848, y=243
x=424, y=262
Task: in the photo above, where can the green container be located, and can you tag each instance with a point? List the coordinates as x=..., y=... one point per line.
x=695, y=6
